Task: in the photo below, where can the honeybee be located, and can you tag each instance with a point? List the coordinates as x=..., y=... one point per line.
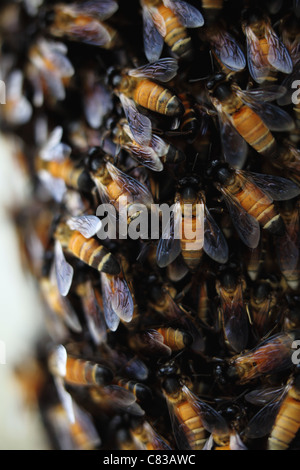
x=166, y=21
x=84, y=22
x=192, y=230
x=212, y=8
x=16, y=110
x=97, y=100
x=143, y=145
x=146, y=437
x=272, y=355
x=113, y=399
x=191, y=418
x=247, y=117
x=77, y=371
x=142, y=86
x=87, y=249
x=126, y=194
x=280, y=418
x=249, y=198
x=49, y=70
x=263, y=301
x=266, y=53
x=232, y=311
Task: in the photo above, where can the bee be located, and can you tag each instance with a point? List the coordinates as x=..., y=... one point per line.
x=126, y=194
x=167, y=21
x=84, y=23
x=84, y=247
x=146, y=437
x=279, y=418
x=77, y=371
x=191, y=417
x=263, y=302
x=50, y=70
x=247, y=117
x=192, y=230
x=113, y=399
x=249, y=198
x=143, y=145
x=266, y=53
x=142, y=86
x=176, y=339
x=270, y=356
x=97, y=100
x=232, y=311
x=212, y=9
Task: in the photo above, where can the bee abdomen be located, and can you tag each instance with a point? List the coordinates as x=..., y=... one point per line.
x=286, y=426
x=90, y=252
x=157, y=98
x=176, y=37
x=174, y=338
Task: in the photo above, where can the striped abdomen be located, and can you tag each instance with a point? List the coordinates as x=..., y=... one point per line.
x=176, y=37
x=174, y=338
x=194, y=429
x=152, y=96
x=287, y=422
x=212, y=4
x=259, y=205
x=191, y=237
x=254, y=131
x=82, y=372
x=92, y=253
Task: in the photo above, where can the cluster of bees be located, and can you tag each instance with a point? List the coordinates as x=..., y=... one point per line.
x=160, y=344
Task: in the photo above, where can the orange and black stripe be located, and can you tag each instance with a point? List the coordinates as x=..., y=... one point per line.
x=177, y=37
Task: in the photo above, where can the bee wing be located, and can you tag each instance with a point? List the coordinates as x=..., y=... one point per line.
x=103, y=9
x=235, y=320
x=261, y=424
x=162, y=70
x=180, y=430
x=288, y=85
x=87, y=225
x=296, y=7
x=258, y=68
x=236, y=442
x=287, y=253
x=94, y=315
x=278, y=55
x=228, y=51
x=169, y=248
x=153, y=341
x=157, y=442
x=132, y=186
x=117, y=299
x=212, y=420
x=159, y=145
x=276, y=187
x=264, y=395
x=153, y=39
x=235, y=148
x=55, y=186
x=65, y=398
x=97, y=104
x=247, y=226
x=268, y=93
x=54, y=149
x=139, y=124
x=93, y=33
x=145, y=155
x=215, y=245
x=189, y=16
x=64, y=271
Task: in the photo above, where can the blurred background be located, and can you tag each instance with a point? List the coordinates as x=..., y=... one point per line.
x=21, y=320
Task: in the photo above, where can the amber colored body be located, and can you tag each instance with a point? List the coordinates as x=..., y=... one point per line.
x=177, y=37
x=174, y=338
x=254, y=201
x=81, y=372
x=287, y=422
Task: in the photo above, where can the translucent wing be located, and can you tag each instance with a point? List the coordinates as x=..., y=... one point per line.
x=103, y=9
x=153, y=40
x=64, y=271
x=276, y=187
x=261, y=424
x=258, y=67
x=87, y=225
x=162, y=70
x=55, y=186
x=212, y=420
x=189, y=16
x=160, y=147
x=227, y=50
x=140, y=125
x=54, y=149
x=169, y=248
x=278, y=55
x=118, y=299
x=247, y=226
x=215, y=245
x=111, y=317
x=268, y=93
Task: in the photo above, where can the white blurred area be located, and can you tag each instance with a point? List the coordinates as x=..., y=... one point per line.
x=21, y=319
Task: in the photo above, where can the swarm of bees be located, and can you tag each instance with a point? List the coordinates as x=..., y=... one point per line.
x=160, y=343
